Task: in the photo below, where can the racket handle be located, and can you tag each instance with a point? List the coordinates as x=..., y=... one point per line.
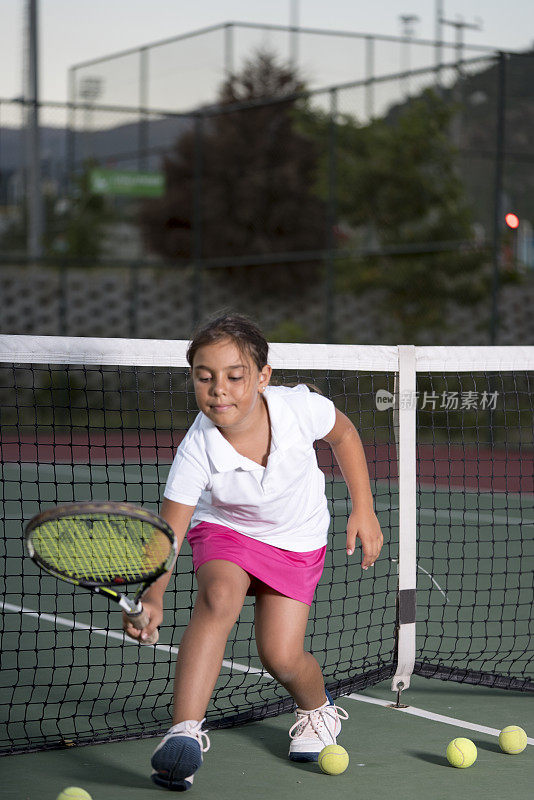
x=140, y=620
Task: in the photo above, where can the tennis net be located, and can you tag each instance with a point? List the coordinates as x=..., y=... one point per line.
x=448, y=434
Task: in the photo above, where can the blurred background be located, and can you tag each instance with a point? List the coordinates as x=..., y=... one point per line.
x=343, y=175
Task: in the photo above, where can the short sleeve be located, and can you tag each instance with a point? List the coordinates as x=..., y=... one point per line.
x=187, y=479
x=320, y=413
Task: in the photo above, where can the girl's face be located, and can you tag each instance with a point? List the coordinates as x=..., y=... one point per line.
x=228, y=385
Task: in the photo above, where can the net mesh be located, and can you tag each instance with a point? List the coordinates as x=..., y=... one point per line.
x=475, y=532
x=80, y=431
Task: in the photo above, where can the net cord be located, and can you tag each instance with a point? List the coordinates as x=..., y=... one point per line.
x=23, y=349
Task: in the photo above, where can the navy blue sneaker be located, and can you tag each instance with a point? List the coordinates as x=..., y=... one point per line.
x=179, y=755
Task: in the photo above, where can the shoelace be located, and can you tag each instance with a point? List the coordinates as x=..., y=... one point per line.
x=193, y=729
x=316, y=720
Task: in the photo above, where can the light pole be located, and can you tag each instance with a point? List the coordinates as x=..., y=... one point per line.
x=440, y=13
x=408, y=29
x=33, y=153
x=459, y=25
x=89, y=90
x=293, y=40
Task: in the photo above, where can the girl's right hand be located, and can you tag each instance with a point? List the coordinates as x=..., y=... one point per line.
x=154, y=609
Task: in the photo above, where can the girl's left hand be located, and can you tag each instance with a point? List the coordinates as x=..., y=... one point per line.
x=364, y=525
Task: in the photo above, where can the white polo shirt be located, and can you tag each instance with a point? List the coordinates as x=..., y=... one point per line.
x=282, y=504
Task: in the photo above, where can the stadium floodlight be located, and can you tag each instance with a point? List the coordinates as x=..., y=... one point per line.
x=90, y=88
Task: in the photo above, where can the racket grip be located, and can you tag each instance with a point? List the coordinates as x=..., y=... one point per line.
x=141, y=620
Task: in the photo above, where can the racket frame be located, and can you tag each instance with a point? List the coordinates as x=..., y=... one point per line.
x=132, y=607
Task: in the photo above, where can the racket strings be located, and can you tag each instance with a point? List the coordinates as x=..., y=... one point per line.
x=102, y=550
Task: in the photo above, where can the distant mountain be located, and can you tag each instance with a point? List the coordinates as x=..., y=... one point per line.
x=12, y=146
x=114, y=146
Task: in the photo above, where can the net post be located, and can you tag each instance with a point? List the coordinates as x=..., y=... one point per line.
x=405, y=431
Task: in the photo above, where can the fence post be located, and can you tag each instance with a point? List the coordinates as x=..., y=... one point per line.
x=497, y=196
x=133, y=308
x=63, y=323
x=369, y=77
x=229, y=50
x=70, y=143
x=33, y=134
x=143, y=109
x=196, y=283
x=331, y=218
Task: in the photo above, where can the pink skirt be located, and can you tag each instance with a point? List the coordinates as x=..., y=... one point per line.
x=294, y=575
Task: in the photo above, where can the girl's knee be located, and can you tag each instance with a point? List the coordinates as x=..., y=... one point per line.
x=283, y=664
x=219, y=598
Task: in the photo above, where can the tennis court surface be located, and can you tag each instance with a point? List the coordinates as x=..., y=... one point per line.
x=448, y=434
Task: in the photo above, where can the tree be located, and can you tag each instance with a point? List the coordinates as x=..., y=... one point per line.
x=74, y=227
x=241, y=180
x=79, y=231
x=403, y=202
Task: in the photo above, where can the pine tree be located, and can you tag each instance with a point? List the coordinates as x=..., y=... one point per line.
x=246, y=176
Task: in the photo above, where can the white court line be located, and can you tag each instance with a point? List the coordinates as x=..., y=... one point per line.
x=421, y=712
x=474, y=516
x=448, y=514
x=69, y=623
x=453, y=488
x=416, y=712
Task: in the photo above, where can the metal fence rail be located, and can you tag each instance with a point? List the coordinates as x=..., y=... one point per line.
x=491, y=157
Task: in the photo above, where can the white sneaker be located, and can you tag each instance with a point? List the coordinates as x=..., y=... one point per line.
x=179, y=754
x=314, y=730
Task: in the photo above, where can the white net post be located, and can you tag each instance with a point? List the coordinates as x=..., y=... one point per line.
x=406, y=449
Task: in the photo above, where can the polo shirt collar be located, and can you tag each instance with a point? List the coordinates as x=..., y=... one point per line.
x=284, y=431
x=284, y=423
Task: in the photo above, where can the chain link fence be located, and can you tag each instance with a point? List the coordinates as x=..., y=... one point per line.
x=368, y=212
x=184, y=72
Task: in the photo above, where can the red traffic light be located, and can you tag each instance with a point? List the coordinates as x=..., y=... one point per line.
x=512, y=220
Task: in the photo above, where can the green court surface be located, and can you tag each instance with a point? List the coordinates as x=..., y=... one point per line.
x=474, y=568
x=393, y=754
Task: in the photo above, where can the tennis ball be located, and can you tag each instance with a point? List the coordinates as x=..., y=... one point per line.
x=461, y=752
x=333, y=759
x=512, y=739
x=74, y=793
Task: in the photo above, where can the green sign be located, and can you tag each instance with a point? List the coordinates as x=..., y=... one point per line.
x=132, y=184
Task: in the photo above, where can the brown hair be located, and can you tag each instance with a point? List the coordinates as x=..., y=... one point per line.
x=241, y=330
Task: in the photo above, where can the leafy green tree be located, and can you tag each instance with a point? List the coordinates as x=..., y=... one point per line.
x=78, y=231
x=74, y=227
x=402, y=203
x=243, y=184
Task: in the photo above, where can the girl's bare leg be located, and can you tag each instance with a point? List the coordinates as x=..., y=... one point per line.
x=280, y=629
x=222, y=587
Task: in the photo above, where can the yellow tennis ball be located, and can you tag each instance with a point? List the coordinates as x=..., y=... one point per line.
x=461, y=752
x=512, y=739
x=74, y=793
x=333, y=759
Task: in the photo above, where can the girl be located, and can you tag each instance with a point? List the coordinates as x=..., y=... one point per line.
x=246, y=477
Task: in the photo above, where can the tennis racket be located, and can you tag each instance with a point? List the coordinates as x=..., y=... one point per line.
x=101, y=546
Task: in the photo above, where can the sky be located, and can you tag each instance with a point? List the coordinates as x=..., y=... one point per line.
x=72, y=31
